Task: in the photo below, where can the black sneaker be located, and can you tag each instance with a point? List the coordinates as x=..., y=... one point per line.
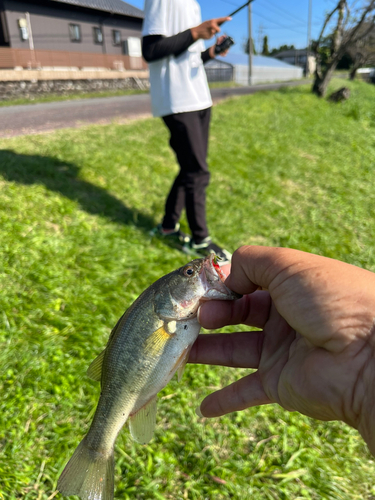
x=206, y=247
x=175, y=236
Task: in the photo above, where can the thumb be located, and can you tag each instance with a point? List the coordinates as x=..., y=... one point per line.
x=254, y=266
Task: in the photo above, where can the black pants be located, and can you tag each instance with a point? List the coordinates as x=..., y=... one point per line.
x=189, y=140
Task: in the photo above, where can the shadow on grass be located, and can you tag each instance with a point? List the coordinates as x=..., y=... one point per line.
x=62, y=177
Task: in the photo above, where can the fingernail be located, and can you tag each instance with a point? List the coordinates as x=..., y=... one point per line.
x=198, y=314
x=198, y=412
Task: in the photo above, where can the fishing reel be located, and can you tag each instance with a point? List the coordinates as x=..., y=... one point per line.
x=224, y=45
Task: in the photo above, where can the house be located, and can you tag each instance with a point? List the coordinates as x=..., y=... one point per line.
x=70, y=33
x=297, y=57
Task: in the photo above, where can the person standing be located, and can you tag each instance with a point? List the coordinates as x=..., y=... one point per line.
x=172, y=44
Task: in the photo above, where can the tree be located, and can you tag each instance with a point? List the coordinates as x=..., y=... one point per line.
x=246, y=47
x=324, y=49
x=281, y=49
x=349, y=29
x=362, y=51
x=265, y=50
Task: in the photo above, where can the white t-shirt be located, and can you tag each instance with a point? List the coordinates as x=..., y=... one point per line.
x=178, y=84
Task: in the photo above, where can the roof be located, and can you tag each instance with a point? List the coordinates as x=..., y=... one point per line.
x=218, y=63
x=259, y=61
x=291, y=52
x=112, y=6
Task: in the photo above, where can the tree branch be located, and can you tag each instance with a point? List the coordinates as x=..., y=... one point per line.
x=369, y=8
x=337, y=34
x=324, y=27
x=363, y=35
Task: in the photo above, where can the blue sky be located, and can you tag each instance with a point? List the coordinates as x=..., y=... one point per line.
x=283, y=22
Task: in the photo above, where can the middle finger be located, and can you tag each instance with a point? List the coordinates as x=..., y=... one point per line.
x=237, y=350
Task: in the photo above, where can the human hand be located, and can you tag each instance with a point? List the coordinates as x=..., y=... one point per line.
x=208, y=29
x=211, y=50
x=315, y=352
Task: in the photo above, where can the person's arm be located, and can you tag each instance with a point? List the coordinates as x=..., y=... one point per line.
x=156, y=47
x=206, y=55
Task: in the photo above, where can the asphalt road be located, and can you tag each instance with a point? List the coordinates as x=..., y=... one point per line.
x=38, y=118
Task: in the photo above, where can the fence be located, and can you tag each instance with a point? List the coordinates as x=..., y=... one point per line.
x=31, y=59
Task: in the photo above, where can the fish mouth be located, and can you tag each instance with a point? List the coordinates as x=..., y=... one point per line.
x=213, y=280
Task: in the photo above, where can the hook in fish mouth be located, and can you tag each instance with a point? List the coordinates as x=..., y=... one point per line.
x=213, y=278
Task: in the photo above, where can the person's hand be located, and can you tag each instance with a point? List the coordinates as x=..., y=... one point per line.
x=208, y=29
x=211, y=50
x=315, y=352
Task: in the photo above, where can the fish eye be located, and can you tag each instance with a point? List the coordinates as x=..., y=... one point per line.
x=189, y=271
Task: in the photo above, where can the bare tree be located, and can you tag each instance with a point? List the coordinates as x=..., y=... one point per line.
x=348, y=30
x=362, y=51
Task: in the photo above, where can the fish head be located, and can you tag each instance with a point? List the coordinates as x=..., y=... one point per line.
x=213, y=279
x=187, y=287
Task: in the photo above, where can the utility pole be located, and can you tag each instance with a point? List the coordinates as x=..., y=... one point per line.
x=308, y=37
x=250, y=48
x=248, y=3
x=31, y=40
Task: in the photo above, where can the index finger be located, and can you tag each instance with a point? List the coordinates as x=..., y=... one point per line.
x=222, y=20
x=251, y=310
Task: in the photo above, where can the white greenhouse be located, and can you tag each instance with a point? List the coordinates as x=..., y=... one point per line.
x=264, y=69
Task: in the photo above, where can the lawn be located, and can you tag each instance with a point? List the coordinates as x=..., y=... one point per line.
x=77, y=205
x=36, y=99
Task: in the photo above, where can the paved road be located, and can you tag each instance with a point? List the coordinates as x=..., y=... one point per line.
x=37, y=118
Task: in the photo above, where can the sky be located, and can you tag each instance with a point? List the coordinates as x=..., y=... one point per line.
x=283, y=22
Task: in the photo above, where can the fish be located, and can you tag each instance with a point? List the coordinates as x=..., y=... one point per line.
x=148, y=345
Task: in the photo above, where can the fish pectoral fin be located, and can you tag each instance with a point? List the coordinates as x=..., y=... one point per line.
x=142, y=423
x=156, y=342
x=180, y=372
x=94, y=371
x=183, y=359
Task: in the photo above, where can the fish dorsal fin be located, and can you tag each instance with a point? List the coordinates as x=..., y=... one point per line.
x=94, y=371
x=142, y=423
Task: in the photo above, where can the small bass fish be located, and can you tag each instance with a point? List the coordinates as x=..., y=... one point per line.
x=149, y=344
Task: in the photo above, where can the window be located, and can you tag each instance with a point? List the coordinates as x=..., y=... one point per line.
x=116, y=37
x=22, y=23
x=98, y=35
x=75, y=32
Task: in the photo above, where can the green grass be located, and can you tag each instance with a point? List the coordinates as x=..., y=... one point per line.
x=76, y=207
x=220, y=85
x=68, y=97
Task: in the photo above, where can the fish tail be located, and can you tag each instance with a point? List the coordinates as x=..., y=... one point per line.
x=89, y=474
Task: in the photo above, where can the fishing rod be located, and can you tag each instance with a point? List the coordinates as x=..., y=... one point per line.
x=240, y=8
x=228, y=41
